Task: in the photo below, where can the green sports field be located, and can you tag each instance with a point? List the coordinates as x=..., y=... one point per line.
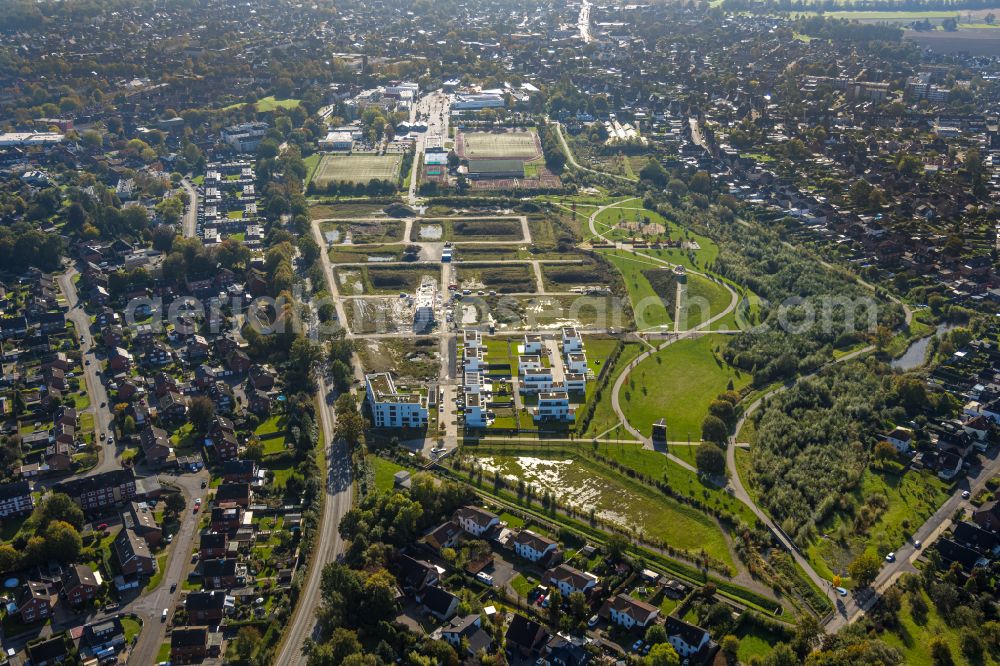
x=356, y=168
x=488, y=145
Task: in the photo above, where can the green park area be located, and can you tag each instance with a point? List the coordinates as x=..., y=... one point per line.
x=678, y=384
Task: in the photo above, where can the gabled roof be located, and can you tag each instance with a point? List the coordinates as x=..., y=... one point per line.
x=525, y=633
x=689, y=633
x=639, y=611
x=437, y=600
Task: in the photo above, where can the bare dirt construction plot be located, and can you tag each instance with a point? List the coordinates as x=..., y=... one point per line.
x=418, y=360
x=380, y=314
x=503, y=279
x=356, y=168
x=521, y=145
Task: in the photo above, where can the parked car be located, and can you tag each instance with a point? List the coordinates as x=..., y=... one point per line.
x=163, y=615
x=842, y=591
x=484, y=578
x=891, y=557
x=592, y=622
x=966, y=494
x=637, y=646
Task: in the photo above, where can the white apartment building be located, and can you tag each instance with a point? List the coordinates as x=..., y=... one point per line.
x=554, y=406
x=392, y=409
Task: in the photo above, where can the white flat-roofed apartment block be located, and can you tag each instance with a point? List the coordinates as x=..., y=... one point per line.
x=474, y=360
x=475, y=411
x=527, y=362
x=392, y=409
x=576, y=362
x=575, y=382
x=537, y=381
x=472, y=338
x=571, y=340
x=478, y=101
x=532, y=344
x=554, y=406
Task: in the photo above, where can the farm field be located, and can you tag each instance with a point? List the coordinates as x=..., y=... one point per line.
x=356, y=168
x=587, y=485
x=489, y=145
x=678, y=384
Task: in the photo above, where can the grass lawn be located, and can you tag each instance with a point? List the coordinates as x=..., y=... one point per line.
x=604, y=416
x=648, y=306
x=678, y=384
x=755, y=641
x=585, y=484
x=132, y=628
x=911, y=499
x=164, y=653
x=657, y=466
x=702, y=299
x=269, y=103
x=521, y=585
x=384, y=471
x=157, y=578
x=81, y=401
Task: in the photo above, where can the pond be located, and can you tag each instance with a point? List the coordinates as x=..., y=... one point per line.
x=916, y=354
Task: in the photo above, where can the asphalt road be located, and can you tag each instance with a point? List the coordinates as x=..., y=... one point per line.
x=338, y=500
x=190, y=220
x=91, y=365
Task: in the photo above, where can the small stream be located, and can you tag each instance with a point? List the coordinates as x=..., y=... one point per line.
x=916, y=354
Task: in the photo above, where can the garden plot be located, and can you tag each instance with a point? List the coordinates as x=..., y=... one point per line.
x=360, y=232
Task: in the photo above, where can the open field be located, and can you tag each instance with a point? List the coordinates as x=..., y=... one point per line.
x=586, y=485
x=563, y=277
x=678, y=384
x=362, y=231
x=346, y=209
x=487, y=145
x=269, y=103
x=349, y=254
x=384, y=280
x=501, y=278
x=356, y=168
x=417, y=360
x=489, y=230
